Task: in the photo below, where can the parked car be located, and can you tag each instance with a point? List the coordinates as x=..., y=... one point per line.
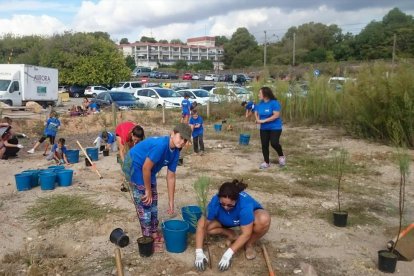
x=76, y=91
x=153, y=74
x=127, y=86
x=63, y=88
x=123, y=100
x=195, y=77
x=230, y=94
x=201, y=96
x=169, y=75
x=94, y=90
x=155, y=97
x=207, y=87
x=187, y=76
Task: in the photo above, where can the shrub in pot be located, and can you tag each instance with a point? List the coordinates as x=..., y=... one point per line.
x=340, y=217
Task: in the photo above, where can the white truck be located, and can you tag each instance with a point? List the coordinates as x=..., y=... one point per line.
x=20, y=83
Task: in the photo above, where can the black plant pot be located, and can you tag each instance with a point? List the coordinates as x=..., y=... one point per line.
x=145, y=246
x=387, y=261
x=340, y=218
x=119, y=238
x=87, y=163
x=180, y=161
x=101, y=148
x=105, y=152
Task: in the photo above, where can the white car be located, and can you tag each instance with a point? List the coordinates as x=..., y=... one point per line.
x=94, y=90
x=127, y=86
x=230, y=94
x=155, y=97
x=201, y=96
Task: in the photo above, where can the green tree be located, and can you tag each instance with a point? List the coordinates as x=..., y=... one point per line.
x=176, y=41
x=180, y=64
x=124, y=41
x=164, y=41
x=203, y=65
x=130, y=62
x=147, y=39
x=221, y=40
x=241, y=40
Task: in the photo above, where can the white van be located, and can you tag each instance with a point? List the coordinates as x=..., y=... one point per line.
x=143, y=72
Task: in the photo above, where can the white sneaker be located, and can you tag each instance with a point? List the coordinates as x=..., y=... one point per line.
x=282, y=161
x=30, y=151
x=264, y=165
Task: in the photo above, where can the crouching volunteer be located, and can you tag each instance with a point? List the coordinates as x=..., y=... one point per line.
x=142, y=163
x=232, y=207
x=127, y=135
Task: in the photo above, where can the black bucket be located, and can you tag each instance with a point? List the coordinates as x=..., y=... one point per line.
x=105, y=152
x=340, y=218
x=87, y=163
x=180, y=161
x=102, y=147
x=145, y=246
x=119, y=238
x=387, y=261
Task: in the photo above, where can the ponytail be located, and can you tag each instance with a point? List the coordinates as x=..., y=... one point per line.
x=232, y=189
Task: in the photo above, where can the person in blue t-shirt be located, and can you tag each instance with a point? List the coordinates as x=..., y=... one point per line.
x=267, y=114
x=58, y=153
x=52, y=126
x=106, y=140
x=249, y=106
x=93, y=107
x=232, y=207
x=196, y=123
x=185, y=109
x=141, y=165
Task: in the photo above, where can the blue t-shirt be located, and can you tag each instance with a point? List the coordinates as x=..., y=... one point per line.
x=157, y=149
x=197, y=131
x=185, y=107
x=111, y=137
x=265, y=110
x=242, y=214
x=93, y=106
x=52, y=125
x=250, y=106
x=55, y=147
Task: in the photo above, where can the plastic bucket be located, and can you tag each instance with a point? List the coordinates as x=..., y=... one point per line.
x=64, y=177
x=47, y=180
x=23, y=181
x=387, y=261
x=119, y=238
x=34, y=177
x=87, y=163
x=175, y=235
x=92, y=153
x=244, y=139
x=145, y=246
x=340, y=218
x=56, y=168
x=191, y=214
x=72, y=156
x=217, y=127
x=105, y=152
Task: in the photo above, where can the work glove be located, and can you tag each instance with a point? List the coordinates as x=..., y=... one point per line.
x=24, y=135
x=200, y=260
x=224, y=263
x=20, y=146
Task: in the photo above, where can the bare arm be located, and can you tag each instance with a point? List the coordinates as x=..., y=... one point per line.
x=171, y=190
x=201, y=231
x=146, y=173
x=121, y=148
x=271, y=118
x=246, y=232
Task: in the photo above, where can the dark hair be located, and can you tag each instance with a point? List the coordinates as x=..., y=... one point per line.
x=243, y=103
x=104, y=135
x=138, y=131
x=268, y=93
x=194, y=112
x=186, y=95
x=7, y=120
x=62, y=141
x=232, y=189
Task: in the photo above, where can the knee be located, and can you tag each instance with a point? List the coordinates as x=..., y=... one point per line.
x=263, y=220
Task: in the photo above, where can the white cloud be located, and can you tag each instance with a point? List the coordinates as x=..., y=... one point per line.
x=30, y=25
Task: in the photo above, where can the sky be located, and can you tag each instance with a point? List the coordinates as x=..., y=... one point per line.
x=182, y=19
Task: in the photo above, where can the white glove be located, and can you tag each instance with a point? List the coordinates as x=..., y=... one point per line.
x=19, y=146
x=224, y=263
x=200, y=260
x=24, y=135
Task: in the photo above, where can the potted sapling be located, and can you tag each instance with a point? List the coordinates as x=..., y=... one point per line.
x=387, y=259
x=340, y=217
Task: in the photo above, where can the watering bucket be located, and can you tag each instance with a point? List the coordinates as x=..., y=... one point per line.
x=244, y=139
x=34, y=177
x=175, y=235
x=72, y=156
x=47, y=180
x=23, y=181
x=92, y=153
x=64, y=177
x=217, y=127
x=191, y=214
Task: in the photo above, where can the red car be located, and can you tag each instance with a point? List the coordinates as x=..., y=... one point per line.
x=187, y=76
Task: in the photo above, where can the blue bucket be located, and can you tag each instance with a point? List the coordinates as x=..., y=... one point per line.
x=92, y=153
x=23, y=181
x=57, y=167
x=64, y=177
x=47, y=180
x=72, y=156
x=244, y=139
x=217, y=127
x=35, y=177
x=175, y=235
x=191, y=214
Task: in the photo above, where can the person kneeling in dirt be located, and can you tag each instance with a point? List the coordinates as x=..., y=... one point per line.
x=232, y=207
x=106, y=140
x=58, y=153
x=141, y=165
x=127, y=135
x=12, y=146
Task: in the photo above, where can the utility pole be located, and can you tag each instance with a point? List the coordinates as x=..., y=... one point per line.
x=393, y=51
x=294, y=48
x=264, y=51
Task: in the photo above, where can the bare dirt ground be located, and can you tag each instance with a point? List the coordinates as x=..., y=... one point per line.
x=299, y=197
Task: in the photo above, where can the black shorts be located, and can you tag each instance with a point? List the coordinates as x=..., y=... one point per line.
x=51, y=139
